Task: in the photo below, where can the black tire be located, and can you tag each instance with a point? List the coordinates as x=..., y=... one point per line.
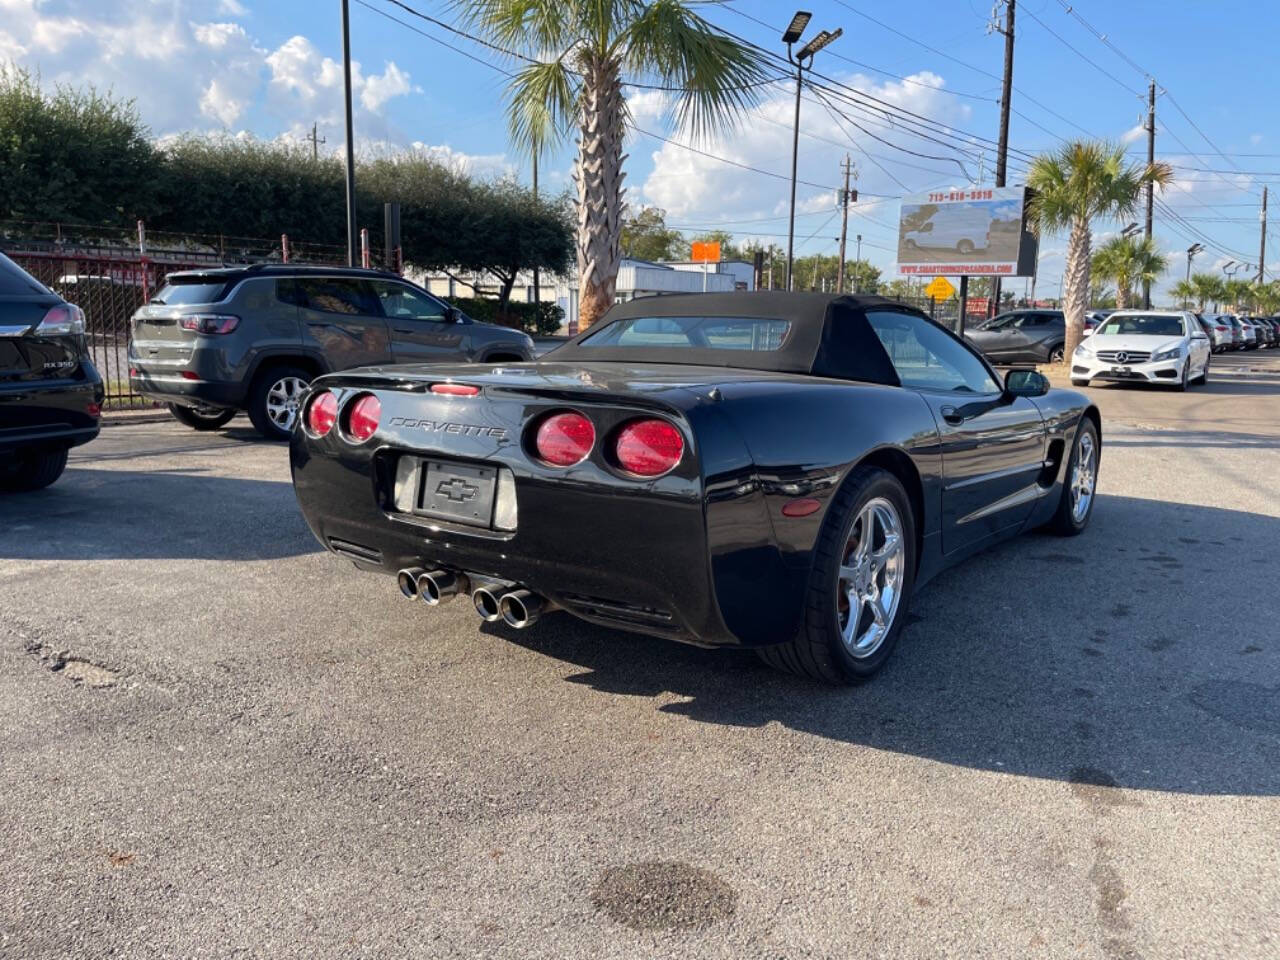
x=1057, y=353
x=33, y=471
x=1201, y=380
x=1079, y=383
x=818, y=651
x=259, y=413
x=1064, y=522
x=196, y=419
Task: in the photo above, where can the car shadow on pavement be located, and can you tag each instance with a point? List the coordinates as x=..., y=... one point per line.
x=1126, y=657
x=169, y=514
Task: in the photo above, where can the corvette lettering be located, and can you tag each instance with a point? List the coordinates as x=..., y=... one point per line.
x=448, y=426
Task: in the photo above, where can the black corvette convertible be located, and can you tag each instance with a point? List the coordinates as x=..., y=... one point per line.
x=770, y=470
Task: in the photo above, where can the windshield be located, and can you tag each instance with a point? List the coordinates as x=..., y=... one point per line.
x=715, y=333
x=195, y=290
x=1143, y=325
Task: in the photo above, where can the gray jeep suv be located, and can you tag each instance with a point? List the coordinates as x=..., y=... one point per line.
x=213, y=342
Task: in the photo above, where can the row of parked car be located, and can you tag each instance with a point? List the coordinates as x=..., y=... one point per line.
x=1229, y=332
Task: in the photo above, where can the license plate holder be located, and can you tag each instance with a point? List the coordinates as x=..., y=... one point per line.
x=1121, y=371
x=459, y=492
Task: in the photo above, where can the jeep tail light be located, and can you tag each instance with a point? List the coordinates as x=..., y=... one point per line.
x=322, y=413
x=214, y=323
x=565, y=439
x=61, y=320
x=649, y=448
x=362, y=421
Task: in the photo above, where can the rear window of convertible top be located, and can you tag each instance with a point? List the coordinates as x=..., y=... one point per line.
x=763, y=334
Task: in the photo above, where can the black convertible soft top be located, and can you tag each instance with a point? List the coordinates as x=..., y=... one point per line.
x=829, y=334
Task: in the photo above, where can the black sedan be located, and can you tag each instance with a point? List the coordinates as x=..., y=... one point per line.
x=50, y=393
x=1022, y=336
x=768, y=470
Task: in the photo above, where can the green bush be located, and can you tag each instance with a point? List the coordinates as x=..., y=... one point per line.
x=530, y=317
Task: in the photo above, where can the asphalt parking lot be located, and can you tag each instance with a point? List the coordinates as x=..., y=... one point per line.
x=217, y=740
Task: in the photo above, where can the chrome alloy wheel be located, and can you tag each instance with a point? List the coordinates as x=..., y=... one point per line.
x=282, y=401
x=1084, y=475
x=869, y=586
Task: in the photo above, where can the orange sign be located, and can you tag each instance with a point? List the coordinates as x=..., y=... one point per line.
x=706, y=253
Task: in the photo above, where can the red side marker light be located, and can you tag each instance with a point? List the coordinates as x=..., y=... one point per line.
x=455, y=389
x=190, y=375
x=93, y=410
x=801, y=508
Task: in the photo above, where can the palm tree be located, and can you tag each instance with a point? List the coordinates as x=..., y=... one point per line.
x=1081, y=182
x=575, y=56
x=1206, y=287
x=1129, y=261
x=1185, y=291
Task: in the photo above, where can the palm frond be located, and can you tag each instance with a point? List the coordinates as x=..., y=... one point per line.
x=541, y=101
x=538, y=28
x=718, y=77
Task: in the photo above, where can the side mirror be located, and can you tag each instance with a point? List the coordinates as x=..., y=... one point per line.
x=1026, y=383
x=453, y=315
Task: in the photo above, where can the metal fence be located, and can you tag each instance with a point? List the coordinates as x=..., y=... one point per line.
x=108, y=288
x=110, y=282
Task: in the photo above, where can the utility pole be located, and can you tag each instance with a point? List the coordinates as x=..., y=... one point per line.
x=1002, y=150
x=1151, y=189
x=315, y=143
x=857, y=268
x=844, y=222
x=351, y=150
x=1262, y=244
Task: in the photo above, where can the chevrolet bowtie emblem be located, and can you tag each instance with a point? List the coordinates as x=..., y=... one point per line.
x=457, y=490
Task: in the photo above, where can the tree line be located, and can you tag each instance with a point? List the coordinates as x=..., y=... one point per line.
x=85, y=159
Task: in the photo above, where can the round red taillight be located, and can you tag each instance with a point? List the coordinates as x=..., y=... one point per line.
x=362, y=421
x=565, y=439
x=322, y=413
x=649, y=448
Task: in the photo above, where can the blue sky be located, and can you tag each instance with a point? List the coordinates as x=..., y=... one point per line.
x=269, y=69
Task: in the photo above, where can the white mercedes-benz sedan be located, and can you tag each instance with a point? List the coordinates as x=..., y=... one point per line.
x=1146, y=346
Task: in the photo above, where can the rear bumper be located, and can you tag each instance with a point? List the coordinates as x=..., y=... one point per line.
x=170, y=386
x=52, y=416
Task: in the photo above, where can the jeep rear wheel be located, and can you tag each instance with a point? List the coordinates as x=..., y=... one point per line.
x=274, y=400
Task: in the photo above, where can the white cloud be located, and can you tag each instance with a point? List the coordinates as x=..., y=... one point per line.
x=189, y=72
x=1256, y=138
x=698, y=190
x=1133, y=135
x=479, y=165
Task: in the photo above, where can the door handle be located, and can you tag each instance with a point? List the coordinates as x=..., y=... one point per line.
x=952, y=415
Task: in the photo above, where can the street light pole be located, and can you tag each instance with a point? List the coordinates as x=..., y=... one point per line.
x=351, y=155
x=793, y=33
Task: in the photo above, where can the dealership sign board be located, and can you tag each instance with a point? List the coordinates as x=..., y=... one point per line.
x=976, y=232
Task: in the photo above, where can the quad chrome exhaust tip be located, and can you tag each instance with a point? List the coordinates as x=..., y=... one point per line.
x=487, y=604
x=439, y=586
x=521, y=608
x=407, y=580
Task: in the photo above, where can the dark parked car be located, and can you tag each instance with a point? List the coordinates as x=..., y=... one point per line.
x=1268, y=328
x=1022, y=336
x=766, y=470
x=50, y=393
x=213, y=342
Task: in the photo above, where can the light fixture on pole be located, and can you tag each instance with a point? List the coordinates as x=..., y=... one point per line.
x=794, y=31
x=1130, y=230
x=1192, y=250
